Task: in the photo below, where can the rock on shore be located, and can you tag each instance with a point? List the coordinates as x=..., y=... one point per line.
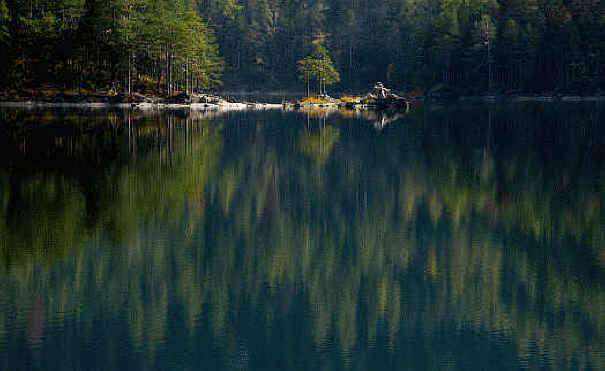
x=379, y=97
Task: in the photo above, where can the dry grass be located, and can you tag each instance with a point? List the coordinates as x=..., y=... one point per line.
x=315, y=100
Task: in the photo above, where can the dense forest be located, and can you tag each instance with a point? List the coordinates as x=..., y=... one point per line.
x=553, y=46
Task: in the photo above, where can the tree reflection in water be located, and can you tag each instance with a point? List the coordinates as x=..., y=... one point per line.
x=462, y=237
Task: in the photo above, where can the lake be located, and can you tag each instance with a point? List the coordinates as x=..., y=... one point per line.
x=452, y=237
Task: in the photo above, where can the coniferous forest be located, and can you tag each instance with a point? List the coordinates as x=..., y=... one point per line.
x=163, y=46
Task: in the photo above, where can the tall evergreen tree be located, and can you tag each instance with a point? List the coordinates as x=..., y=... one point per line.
x=318, y=67
x=471, y=45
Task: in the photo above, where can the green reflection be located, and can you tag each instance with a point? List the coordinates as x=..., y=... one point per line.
x=319, y=146
x=217, y=242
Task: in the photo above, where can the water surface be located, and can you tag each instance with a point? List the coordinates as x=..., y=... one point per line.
x=448, y=238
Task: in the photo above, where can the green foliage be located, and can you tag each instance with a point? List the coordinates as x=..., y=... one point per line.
x=512, y=45
x=4, y=21
x=318, y=67
x=78, y=44
x=421, y=43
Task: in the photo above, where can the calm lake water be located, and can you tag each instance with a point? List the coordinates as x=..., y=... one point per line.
x=448, y=238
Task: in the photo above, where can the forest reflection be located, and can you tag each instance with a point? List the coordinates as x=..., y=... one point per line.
x=454, y=237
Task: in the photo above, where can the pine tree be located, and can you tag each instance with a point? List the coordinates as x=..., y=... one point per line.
x=319, y=66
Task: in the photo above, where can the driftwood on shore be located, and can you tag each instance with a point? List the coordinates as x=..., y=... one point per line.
x=382, y=97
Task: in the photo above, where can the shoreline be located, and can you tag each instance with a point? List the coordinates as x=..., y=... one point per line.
x=224, y=105
x=527, y=98
x=144, y=106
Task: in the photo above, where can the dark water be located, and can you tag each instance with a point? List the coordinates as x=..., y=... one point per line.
x=452, y=238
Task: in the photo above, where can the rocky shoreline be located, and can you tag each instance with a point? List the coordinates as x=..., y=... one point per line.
x=137, y=101
x=378, y=98
x=145, y=106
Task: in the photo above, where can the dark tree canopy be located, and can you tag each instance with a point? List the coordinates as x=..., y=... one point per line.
x=471, y=45
x=527, y=45
x=119, y=45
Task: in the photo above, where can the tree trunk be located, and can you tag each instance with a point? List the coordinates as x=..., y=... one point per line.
x=186, y=73
x=129, y=74
x=167, y=71
x=308, y=87
x=159, y=76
